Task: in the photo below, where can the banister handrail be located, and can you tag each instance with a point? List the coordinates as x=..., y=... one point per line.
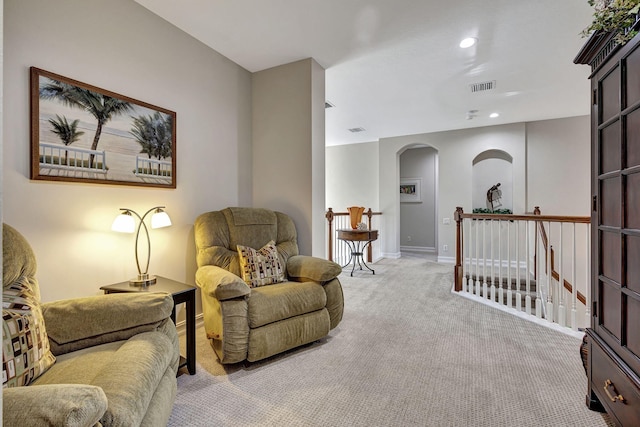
x=568, y=286
x=528, y=217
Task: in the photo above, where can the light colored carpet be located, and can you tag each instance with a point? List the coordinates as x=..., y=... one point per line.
x=407, y=353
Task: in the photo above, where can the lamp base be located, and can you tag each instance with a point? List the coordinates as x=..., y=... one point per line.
x=143, y=280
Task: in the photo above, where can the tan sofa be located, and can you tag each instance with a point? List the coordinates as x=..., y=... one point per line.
x=253, y=323
x=106, y=360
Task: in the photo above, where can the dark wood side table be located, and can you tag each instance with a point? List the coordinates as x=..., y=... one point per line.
x=357, y=240
x=182, y=293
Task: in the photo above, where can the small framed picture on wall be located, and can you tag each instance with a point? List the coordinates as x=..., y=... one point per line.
x=410, y=191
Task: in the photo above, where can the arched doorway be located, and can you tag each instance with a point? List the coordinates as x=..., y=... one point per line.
x=418, y=211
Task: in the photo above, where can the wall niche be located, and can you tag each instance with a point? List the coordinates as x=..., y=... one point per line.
x=492, y=170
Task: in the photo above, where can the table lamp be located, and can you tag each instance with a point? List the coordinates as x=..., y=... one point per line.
x=125, y=223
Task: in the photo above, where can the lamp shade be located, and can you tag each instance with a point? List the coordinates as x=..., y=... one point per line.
x=160, y=219
x=124, y=223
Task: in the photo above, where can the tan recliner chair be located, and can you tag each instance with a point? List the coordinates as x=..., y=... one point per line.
x=255, y=322
x=95, y=361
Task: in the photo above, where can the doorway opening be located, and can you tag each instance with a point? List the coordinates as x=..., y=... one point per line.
x=418, y=170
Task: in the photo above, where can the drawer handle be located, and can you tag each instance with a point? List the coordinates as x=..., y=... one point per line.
x=608, y=384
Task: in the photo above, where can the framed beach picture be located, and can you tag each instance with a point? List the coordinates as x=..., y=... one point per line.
x=82, y=133
x=410, y=191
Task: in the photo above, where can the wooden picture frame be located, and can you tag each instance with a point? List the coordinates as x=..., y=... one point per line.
x=82, y=133
x=410, y=190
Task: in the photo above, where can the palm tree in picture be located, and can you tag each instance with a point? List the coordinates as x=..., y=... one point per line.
x=154, y=133
x=100, y=106
x=67, y=132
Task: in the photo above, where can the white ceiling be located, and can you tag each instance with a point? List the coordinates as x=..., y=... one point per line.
x=393, y=67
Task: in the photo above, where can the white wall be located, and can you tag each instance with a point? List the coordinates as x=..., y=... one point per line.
x=561, y=183
x=120, y=46
x=551, y=169
x=559, y=166
x=456, y=151
x=287, y=123
x=318, y=165
x=352, y=176
x=352, y=180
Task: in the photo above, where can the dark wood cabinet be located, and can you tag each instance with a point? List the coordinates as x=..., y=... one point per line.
x=613, y=366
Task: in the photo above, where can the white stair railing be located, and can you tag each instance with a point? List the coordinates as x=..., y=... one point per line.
x=341, y=252
x=338, y=249
x=534, y=264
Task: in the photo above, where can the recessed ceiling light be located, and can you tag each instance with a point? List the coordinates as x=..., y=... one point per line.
x=494, y=115
x=468, y=42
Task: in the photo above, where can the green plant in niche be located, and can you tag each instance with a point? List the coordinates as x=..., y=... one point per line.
x=614, y=16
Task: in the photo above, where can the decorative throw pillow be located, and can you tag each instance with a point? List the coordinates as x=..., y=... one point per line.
x=25, y=346
x=260, y=267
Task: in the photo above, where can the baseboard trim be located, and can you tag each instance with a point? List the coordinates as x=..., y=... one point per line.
x=181, y=326
x=446, y=259
x=421, y=249
x=391, y=255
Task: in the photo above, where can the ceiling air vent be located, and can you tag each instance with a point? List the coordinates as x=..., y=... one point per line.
x=354, y=130
x=327, y=104
x=482, y=86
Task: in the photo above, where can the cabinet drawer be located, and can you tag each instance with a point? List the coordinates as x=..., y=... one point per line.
x=617, y=391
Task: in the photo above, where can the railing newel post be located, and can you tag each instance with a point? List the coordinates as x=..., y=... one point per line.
x=329, y=216
x=518, y=304
x=458, y=267
x=369, y=249
x=527, y=297
x=574, y=289
x=509, y=295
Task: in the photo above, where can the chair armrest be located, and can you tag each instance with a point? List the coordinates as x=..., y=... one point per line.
x=53, y=405
x=220, y=283
x=83, y=322
x=302, y=268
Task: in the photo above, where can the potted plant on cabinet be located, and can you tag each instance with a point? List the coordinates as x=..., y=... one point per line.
x=617, y=17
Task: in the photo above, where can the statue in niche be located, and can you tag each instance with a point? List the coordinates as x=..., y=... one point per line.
x=494, y=195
